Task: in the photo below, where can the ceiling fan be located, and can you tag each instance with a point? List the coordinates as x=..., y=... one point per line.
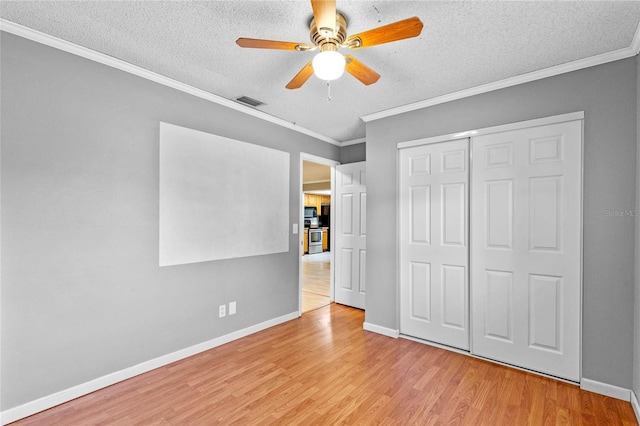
x=328, y=32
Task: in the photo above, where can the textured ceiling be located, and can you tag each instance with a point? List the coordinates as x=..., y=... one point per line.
x=462, y=45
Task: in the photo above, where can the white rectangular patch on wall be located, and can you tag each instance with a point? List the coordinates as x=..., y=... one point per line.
x=220, y=198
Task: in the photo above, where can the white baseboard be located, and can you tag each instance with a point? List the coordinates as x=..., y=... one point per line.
x=606, y=389
x=49, y=401
x=381, y=330
x=636, y=405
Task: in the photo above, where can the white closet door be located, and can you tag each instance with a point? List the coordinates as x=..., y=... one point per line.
x=350, y=234
x=526, y=248
x=434, y=243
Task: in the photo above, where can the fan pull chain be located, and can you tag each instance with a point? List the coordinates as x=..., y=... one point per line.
x=328, y=91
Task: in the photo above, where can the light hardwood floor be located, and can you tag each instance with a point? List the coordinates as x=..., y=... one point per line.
x=324, y=369
x=316, y=281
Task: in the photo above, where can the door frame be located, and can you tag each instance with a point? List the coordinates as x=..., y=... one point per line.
x=331, y=163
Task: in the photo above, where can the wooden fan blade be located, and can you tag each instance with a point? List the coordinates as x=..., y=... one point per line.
x=325, y=13
x=407, y=28
x=360, y=71
x=301, y=77
x=257, y=43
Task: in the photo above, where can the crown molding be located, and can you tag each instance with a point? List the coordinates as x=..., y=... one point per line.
x=635, y=43
x=615, y=55
x=354, y=141
x=57, y=43
x=46, y=39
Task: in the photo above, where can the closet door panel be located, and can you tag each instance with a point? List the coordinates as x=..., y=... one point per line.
x=434, y=284
x=526, y=248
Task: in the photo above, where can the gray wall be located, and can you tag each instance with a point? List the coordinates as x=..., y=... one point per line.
x=636, y=360
x=82, y=293
x=353, y=153
x=607, y=94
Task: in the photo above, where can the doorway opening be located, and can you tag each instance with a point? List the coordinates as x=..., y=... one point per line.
x=316, y=279
x=316, y=271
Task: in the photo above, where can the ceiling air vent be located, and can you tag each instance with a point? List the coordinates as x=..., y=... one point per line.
x=249, y=101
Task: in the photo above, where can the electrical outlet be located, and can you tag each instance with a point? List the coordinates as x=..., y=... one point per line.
x=222, y=310
x=232, y=308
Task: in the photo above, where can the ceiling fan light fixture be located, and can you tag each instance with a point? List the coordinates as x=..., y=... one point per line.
x=328, y=33
x=328, y=65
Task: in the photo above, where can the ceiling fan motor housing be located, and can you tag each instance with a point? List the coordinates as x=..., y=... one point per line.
x=332, y=42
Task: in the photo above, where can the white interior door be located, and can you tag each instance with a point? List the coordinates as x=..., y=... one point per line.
x=526, y=248
x=350, y=234
x=434, y=249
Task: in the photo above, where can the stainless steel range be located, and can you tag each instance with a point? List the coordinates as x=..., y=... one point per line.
x=315, y=240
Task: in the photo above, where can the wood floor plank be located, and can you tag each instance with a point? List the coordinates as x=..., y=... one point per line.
x=324, y=369
x=316, y=281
